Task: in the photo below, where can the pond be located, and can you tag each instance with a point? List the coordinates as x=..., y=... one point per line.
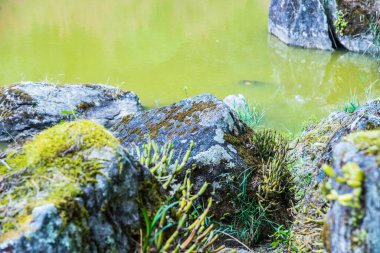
x=166, y=50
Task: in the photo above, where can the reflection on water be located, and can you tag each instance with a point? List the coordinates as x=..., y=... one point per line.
x=157, y=47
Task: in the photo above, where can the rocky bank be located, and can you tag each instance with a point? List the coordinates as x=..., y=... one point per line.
x=77, y=187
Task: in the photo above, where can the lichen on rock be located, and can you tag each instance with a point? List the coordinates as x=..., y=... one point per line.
x=352, y=223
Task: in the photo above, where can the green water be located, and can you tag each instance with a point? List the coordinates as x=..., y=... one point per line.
x=158, y=47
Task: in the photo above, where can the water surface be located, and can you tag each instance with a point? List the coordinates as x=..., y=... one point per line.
x=165, y=50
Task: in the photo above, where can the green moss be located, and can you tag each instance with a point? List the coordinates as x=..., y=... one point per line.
x=51, y=168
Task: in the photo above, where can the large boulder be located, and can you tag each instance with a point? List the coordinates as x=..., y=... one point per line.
x=353, y=221
x=72, y=189
x=300, y=23
x=27, y=108
x=314, y=149
x=220, y=154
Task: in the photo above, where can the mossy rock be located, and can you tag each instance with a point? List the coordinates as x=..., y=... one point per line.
x=27, y=108
x=71, y=189
x=219, y=138
x=315, y=148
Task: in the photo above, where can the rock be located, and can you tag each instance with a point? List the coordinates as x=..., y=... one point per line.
x=357, y=35
x=352, y=223
x=236, y=102
x=72, y=189
x=315, y=148
x=352, y=25
x=27, y=108
x=219, y=155
x=300, y=23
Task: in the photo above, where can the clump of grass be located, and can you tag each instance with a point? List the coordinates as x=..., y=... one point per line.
x=281, y=235
x=274, y=181
x=374, y=30
x=159, y=160
x=251, y=116
x=352, y=105
x=176, y=226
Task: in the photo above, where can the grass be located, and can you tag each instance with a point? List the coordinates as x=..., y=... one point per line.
x=374, y=30
x=265, y=191
x=352, y=105
x=251, y=116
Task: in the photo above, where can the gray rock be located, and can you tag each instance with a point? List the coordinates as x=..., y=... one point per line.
x=300, y=23
x=27, y=108
x=218, y=134
x=351, y=228
x=236, y=102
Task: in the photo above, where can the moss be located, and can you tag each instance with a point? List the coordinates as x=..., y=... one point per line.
x=242, y=144
x=368, y=141
x=358, y=15
x=51, y=168
x=20, y=94
x=5, y=114
x=83, y=106
x=174, y=117
x=326, y=236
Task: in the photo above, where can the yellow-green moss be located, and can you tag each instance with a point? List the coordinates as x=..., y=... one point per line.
x=55, y=163
x=366, y=140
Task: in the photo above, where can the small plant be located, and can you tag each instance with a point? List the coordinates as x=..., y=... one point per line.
x=185, y=89
x=281, y=236
x=252, y=116
x=340, y=22
x=374, y=30
x=71, y=114
x=172, y=229
x=274, y=179
x=352, y=105
x=177, y=226
x=159, y=161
